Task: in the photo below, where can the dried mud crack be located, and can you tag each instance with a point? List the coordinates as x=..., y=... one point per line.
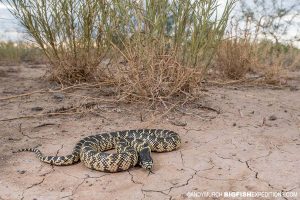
x=31, y=186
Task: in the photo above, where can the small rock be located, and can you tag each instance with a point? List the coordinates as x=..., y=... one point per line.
x=272, y=118
x=53, y=85
x=90, y=185
x=37, y=109
x=178, y=123
x=58, y=96
x=21, y=171
x=234, y=124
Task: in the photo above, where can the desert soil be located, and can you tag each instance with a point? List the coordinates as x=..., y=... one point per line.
x=248, y=141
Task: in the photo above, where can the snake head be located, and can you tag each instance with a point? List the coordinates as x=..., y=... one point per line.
x=145, y=160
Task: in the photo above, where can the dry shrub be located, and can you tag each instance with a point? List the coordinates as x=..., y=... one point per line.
x=73, y=35
x=155, y=74
x=234, y=58
x=237, y=58
x=274, y=75
x=86, y=67
x=256, y=44
x=296, y=63
x=292, y=59
x=271, y=61
x=168, y=45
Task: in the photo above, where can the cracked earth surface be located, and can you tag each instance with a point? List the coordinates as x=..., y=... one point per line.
x=241, y=148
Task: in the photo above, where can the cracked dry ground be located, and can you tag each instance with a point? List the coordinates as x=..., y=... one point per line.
x=242, y=148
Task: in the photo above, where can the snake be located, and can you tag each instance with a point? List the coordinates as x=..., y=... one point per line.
x=132, y=147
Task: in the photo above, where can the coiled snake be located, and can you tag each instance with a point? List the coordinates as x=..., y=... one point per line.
x=132, y=147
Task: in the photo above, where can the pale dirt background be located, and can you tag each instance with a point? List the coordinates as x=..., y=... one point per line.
x=239, y=149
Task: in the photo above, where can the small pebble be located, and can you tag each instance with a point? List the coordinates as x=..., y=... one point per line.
x=272, y=118
x=178, y=123
x=21, y=171
x=37, y=109
x=58, y=96
x=234, y=124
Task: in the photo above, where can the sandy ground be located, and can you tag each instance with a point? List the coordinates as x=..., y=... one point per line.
x=252, y=144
